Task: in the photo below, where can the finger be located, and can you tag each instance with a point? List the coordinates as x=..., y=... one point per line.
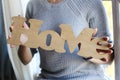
x=98, y=61
x=104, y=59
x=25, y=26
x=105, y=44
x=12, y=46
x=9, y=36
x=95, y=31
x=12, y=23
x=23, y=38
x=11, y=28
x=100, y=51
x=110, y=45
x=105, y=38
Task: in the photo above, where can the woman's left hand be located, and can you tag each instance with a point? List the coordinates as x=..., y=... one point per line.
x=101, y=51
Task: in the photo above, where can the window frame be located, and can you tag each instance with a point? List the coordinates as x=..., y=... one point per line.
x=116, y=31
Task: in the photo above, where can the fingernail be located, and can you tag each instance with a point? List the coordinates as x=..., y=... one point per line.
x=106, y=38
x=110, y=45
x=111, y=51
x=98, y=43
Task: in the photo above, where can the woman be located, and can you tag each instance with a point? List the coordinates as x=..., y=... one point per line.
x=79, y=14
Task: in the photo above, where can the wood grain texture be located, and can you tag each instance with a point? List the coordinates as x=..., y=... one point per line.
x=38, y=39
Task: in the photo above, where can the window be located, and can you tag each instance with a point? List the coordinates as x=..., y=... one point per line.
x=116, y=24
x=108, y=8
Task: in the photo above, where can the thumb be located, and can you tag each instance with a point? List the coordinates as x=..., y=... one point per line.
x=95, y=31
x=23, y=38
x=25, y=26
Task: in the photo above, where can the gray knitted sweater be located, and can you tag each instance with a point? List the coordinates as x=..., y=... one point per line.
x=79, y=14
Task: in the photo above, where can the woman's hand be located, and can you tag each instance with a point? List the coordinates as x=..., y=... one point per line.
x=23, y=37
x=109, y=52
x=108, y=45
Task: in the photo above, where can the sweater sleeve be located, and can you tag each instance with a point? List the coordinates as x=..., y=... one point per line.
x=98, y=19
x=28, y=16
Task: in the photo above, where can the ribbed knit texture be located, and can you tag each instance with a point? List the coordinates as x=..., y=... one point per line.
x=79, y=14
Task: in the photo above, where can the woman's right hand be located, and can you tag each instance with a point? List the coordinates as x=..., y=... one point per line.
x=23, y=37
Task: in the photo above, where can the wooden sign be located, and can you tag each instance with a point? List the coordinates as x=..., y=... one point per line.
x=35, y=39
